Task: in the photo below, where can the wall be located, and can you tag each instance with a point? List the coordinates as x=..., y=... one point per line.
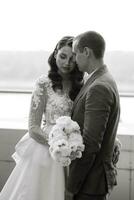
x=8, y=139
x=123, y=191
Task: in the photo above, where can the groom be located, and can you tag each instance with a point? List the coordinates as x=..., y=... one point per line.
x=97, y=111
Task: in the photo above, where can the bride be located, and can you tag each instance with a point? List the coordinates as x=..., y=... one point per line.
x=36, y=175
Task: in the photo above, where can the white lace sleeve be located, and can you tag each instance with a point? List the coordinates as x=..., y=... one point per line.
x=38, y=103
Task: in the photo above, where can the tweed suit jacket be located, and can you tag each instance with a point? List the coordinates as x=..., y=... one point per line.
x=97, y=111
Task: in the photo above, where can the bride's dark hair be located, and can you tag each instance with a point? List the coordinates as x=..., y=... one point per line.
x=76, y=77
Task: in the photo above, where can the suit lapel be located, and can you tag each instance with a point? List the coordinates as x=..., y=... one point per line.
x=95, y=75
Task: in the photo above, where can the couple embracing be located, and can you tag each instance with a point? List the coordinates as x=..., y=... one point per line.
x=93, y=104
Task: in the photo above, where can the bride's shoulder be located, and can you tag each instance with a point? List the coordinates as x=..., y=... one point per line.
x=43, y=81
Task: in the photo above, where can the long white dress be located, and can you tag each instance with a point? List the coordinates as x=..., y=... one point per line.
x=36, y=175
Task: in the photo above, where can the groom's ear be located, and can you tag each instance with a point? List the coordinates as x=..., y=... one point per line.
x=87, y=51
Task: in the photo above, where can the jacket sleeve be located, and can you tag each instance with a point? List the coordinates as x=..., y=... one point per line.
x=37, y=108
x=97, y=110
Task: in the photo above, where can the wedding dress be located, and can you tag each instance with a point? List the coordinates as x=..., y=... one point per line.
x=36, y=175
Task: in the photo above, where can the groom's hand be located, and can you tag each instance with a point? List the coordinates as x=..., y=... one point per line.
x=73, y=155
x=69, y=195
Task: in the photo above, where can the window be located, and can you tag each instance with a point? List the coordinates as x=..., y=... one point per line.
x=30, y=33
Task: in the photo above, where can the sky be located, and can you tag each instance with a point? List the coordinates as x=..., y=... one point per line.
x=39, y=24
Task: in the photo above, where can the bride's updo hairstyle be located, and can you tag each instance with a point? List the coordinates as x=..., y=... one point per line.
x=76, y=77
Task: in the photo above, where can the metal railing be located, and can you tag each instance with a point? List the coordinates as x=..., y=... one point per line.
x=122, y=94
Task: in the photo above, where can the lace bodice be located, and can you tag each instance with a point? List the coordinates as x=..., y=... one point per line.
x=47, y=106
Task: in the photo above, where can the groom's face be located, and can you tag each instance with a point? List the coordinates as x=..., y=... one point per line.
x=80, y=57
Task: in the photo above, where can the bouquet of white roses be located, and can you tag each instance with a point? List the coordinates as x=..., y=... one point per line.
x=65, y=141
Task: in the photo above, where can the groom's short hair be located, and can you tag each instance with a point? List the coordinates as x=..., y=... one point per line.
x=92, y=40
